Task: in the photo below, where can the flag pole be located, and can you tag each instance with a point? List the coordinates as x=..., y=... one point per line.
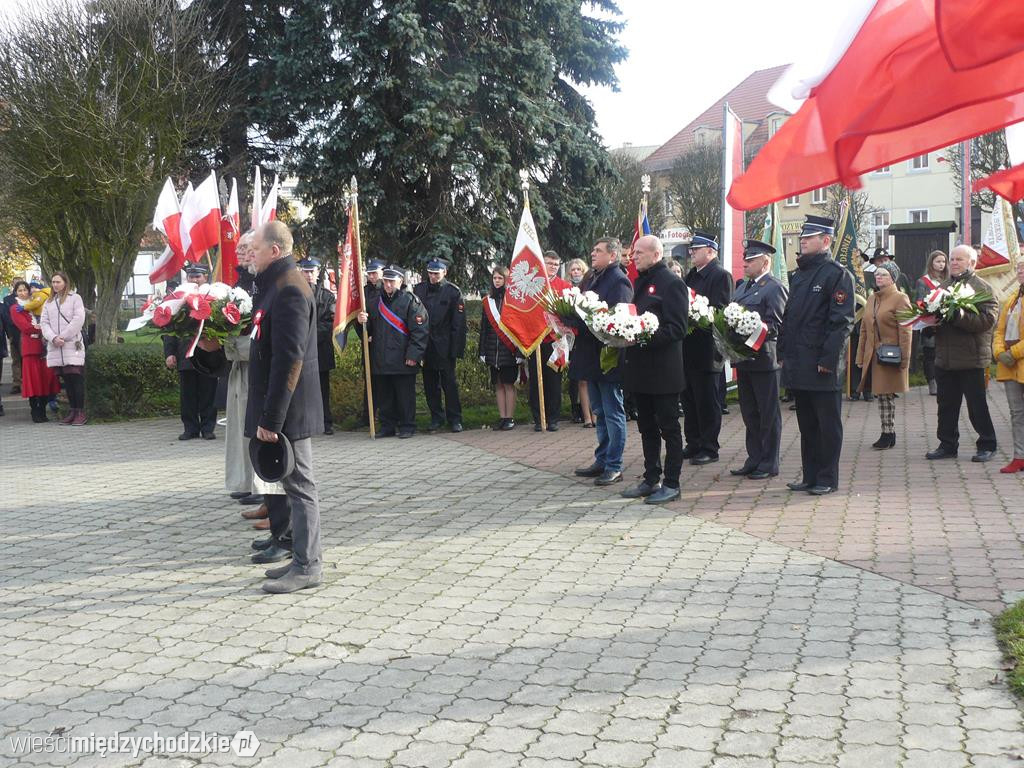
x=525, y=184
x=357, y=247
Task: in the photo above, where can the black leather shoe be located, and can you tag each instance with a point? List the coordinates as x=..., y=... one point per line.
x=982, y=456
x=689, y=453
x=252, y=498
x=798, y=486
x=553, y=426
x=386, y=433
x=272, y=554
x=209, y=436
x=703, y=458
x=434, y=426
x=854, y=396
x=608, y=477
x=640, y=491
x=792, y=407
x=457, y=426
x=940, y=453
x=594, y=470
x=328, y=429
x=260, y=544
x=537, y=427
x=760, y=475
x=405, y=435
x=239, y=495
x=867, y=397
x=725, y=411
x=740, y=472
x=820, y=490
x=187, y=436
x=509, y=424
x=663, y=495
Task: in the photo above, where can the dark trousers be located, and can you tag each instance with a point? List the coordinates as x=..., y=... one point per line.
x=702, y=411
x=325, y=395
x=657, y=417
x=762, y=417
x=552, y=387
x=198, y=402
x=953, y=388
x=722, y=387
x=397, y=404
x=819, y=415
x=437, y=381
x=928, y=362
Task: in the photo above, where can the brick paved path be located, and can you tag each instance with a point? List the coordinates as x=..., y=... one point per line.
x=478, y=612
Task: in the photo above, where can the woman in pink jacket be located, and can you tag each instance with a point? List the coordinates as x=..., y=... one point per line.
x=61, y=322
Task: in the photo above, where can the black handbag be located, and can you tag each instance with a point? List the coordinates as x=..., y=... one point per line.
x=886, y=354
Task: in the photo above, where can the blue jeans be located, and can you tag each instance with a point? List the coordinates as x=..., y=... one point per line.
x=610, y=423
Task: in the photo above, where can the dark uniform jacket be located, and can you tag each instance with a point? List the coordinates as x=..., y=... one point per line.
x=447, y=313
x=966, y=341
x=178, y=346
x=657, y=367
x=766, y=296
x=391, y=347
x=491, y=346
x=714, y=283
x=612, y=286
x=816, y=325
x=325, y=302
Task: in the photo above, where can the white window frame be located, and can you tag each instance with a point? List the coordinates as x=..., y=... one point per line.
x=912, y=211
x=819, y=196
x=885, y=170
x=880, y=235
x=924, y=164
x=792, y=202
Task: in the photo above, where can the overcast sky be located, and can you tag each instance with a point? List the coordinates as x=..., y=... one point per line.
x=684, y=54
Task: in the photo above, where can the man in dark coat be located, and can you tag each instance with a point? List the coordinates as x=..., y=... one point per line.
x=447, y=343
x=398, y=326
x=812, y=351
x=284, y=400
x=325, y=302
x=702, y=399
x=371, y=292
x=197, y=392
x=654, y=372
x=758, y=377
x=612, y=286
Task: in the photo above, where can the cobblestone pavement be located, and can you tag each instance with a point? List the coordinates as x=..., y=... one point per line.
x=953, y=527
x=475, y=612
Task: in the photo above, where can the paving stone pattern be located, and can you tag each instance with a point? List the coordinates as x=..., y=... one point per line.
x=475, y=612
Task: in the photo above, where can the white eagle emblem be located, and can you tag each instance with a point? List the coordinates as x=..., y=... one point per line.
x=525, y=281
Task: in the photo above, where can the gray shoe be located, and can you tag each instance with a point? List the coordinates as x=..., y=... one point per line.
x=292, y=581
x=640, y=491
x=277, y=573
x=663, y=495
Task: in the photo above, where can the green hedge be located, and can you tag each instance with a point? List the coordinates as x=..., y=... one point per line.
x=128, y=381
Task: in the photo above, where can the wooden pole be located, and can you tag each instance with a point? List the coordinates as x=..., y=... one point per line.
x=356, y=245
x=540, y=388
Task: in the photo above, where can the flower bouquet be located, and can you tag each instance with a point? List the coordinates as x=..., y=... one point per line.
x=941, y=305
x=701, y=313
x=214, y=311
x=561, y=308
x=620, y=327
x=738, y=332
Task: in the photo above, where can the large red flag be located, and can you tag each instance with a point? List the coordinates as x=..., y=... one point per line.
x=350, y=285
x=974, y=33
x=522, y=315
x=892, y=95
x=1008, y=183
x=229, y=231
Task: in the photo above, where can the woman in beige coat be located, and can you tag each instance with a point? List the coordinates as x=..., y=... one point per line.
x=880, y=326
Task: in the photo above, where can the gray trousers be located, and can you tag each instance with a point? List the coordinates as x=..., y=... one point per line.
x=304, y=520
x=1015, y=399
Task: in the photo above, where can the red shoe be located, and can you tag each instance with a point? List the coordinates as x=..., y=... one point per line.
x=1017, y=465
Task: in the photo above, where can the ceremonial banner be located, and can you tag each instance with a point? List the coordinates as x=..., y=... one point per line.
x=891, y=95
x=733, y=229
x=999, y=247
x=773, y=236
x=167, y=221
x=842, y=252
x=350, y=283
x=227, y=264
x=522, y=315
x=642, y=228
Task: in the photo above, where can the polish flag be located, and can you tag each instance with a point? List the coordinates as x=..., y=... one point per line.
x=166, y=220
x=200, y=217
x=257, y=200
x=892, y=94
x=1008, y=183
x=268, y=212
x=522, y=315
x=183, y=234
x=229, y=231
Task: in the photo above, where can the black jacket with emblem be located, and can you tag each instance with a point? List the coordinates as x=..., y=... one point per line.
x=391, y=347
x=714, y=283
x=766, y=296
x=816, y=324
x=656, y=368
x=447, y=313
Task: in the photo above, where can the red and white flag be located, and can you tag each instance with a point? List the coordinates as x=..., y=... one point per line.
x=733, y=223
x=1009, y=182
x=893, y=94
x=200, y=217
x=522, y=315
x=166, y=220
x=183, y=233
x=230, y=227
x=268, y=212
x=1000, y=242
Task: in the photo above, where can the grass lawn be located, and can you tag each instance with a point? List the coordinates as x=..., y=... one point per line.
x=1010, y=635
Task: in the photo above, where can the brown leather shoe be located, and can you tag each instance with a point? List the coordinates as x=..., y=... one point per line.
x=262, y=525
x=256, y=514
